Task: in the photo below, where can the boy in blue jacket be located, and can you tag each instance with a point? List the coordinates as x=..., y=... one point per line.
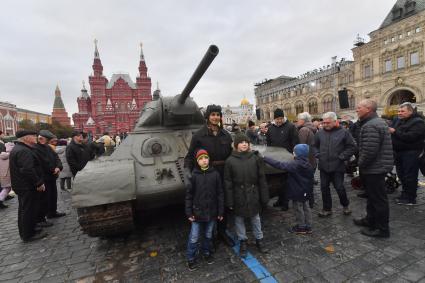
x=300, y=186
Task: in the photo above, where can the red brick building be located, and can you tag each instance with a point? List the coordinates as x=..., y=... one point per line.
x=113, y=105
x=59, y=113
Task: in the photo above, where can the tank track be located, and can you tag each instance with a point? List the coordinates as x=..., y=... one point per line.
x=106, y=220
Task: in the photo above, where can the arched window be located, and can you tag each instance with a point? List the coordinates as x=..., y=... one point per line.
x=299, y=107
x=312, y=106
x=99, y=107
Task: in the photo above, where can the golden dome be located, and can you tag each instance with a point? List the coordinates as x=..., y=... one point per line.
x=244, y=101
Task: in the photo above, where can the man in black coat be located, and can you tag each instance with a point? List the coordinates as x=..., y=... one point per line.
x=26, y=178
x=282, y=134
x=218, y=143
x=334, y=145
x=375, y=161
x=408, y=136
x=52, y=166
x=77, y=154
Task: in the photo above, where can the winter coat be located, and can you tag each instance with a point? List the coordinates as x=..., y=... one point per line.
x=409, y=134
x=49, y=161
x=245, y=183
x=77, y=156
x=25, y=168
x=219, y=147
x=285, y=136
x=375, y=147
x=4, y=170
x=306, y=136
x=300, y=177
x=205, y=196
x=252, y=135
x=334, y=147
x=66, y=171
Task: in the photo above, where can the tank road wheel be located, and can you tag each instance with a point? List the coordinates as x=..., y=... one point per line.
x=106, y=220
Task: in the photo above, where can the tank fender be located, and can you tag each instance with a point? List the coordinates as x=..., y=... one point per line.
x=104, y=182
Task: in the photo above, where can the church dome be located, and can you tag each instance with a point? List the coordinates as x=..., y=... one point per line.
x=244, y=101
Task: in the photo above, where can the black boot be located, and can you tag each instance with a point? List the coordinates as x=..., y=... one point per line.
x=243, y=249
x=260, y=246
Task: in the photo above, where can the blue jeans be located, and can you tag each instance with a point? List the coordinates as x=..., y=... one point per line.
x=256, y=227
x=407, y=166
x=195, y=233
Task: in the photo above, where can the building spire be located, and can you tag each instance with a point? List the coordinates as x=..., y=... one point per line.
x=157, y=85
x=57, y=91
x=142, y=57
x=96, y=51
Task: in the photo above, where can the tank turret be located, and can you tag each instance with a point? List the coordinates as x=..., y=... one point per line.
x=180, y=109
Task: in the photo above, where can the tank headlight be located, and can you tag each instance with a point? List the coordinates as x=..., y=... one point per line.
x=156, y=148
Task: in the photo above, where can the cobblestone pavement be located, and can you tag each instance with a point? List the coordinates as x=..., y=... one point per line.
x=156, y=251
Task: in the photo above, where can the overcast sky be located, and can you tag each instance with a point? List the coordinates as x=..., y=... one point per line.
x=44, y=43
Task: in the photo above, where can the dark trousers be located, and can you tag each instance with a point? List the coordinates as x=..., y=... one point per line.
x=28, y=205
x=283, y=198
x=52, y=196
x=68, y=183
x=407, y=166
x=337, y=179
x=377, y=208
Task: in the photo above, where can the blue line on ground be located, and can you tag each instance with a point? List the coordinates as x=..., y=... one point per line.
x=254, y=265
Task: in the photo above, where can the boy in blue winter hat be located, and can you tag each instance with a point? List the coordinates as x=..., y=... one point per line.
x=300, y=186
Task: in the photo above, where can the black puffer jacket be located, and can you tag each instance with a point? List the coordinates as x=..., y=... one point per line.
x=285, y=136
x=77, y=156
x=205, y=197
x=375, y=147
x=409, y=134
x=49, y=161
x=218, y=147
x=334, y=147
x=25, y=170
x=245, y=183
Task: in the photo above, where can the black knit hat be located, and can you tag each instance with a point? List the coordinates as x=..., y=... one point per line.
x=213, y=108
x=240, y=138
x=278, y=113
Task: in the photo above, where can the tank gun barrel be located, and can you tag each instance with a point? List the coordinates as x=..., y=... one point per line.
x=199, y=72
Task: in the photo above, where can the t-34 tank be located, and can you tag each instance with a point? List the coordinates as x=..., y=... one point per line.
x=146, y=170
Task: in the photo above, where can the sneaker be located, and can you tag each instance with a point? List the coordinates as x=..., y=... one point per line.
x=192, y=265
x=298, y=230
x=346, y=210
x=406, y=202
x=260, y=246
x=308, y=230
x=325, y=213
x=209, y=259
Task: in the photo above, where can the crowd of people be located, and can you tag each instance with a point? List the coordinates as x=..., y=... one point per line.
x=220, y=179
x=32, y=165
